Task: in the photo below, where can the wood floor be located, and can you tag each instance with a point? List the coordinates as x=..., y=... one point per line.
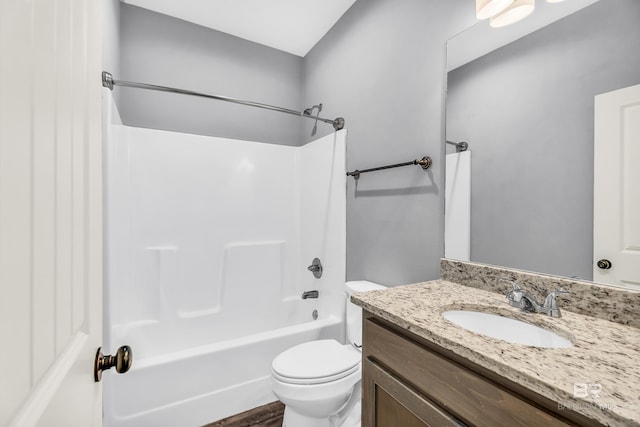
x=269, y=415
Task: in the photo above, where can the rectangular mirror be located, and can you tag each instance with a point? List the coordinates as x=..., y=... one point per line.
x=526, y=109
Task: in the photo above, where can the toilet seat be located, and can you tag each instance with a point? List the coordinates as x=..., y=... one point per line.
x=315, y=362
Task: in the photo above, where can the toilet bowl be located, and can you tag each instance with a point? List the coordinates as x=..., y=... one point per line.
x=319, y=381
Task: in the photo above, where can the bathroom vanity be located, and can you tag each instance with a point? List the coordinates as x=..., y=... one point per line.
x=419, y=369
x=404, y=377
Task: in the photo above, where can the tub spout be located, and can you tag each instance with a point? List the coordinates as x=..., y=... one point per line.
x=310, y=294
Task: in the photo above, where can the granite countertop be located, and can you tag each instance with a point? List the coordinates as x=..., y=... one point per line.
x=605, y=356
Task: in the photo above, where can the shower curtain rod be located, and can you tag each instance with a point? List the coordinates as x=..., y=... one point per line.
x=109, y=82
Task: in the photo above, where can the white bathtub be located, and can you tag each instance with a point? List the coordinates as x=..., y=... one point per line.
x=204, y=384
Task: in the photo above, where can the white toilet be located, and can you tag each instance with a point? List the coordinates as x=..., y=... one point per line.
x=319, y=381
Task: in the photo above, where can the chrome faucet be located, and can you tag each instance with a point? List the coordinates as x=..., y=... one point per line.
x=520, y=299
x=310, y=294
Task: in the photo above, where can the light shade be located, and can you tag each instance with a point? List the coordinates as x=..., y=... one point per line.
x=554, y=1
x=487, y=8
x=520, y=9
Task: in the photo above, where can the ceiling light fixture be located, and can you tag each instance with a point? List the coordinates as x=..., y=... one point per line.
x=488, y=8
x=517, y=11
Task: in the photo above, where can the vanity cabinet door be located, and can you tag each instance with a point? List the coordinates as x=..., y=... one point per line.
x=387, y=402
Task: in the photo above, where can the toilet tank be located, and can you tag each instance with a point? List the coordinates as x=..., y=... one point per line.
x=354, y=312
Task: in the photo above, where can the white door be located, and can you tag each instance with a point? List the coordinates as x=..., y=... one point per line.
x=616, y=231
x=50, y=212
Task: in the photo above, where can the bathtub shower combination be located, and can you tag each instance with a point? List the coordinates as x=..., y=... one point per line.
x=208, y=241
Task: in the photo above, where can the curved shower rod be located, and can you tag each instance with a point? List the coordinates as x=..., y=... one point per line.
x=109, y=82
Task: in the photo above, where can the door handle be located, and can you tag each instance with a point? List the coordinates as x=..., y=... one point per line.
x=121, y=361
x=604, y=264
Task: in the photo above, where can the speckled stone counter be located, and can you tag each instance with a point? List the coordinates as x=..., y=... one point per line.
x=605, y=356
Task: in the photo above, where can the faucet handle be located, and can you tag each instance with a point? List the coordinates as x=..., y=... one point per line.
x=515, y=294
x=550, y=303
x=551, y=298
x=316, y=268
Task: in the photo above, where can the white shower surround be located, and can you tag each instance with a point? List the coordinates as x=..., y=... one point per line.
x=207, y=246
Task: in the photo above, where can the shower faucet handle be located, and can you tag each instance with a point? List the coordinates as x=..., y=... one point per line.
x=316, y=268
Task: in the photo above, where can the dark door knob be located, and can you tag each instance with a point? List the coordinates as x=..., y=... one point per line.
x=604, y=264
x=121, y=361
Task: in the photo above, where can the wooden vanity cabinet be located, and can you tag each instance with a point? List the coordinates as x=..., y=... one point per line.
x=410, y=382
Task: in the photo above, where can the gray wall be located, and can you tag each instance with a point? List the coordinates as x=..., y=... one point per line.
x=111, y=36
x=382, y=67
x=527, y=112
x=167, y=51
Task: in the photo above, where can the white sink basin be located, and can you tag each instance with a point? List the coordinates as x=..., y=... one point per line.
x=503, y=328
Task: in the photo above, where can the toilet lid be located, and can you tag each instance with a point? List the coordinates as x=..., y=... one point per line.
x=315, y=362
